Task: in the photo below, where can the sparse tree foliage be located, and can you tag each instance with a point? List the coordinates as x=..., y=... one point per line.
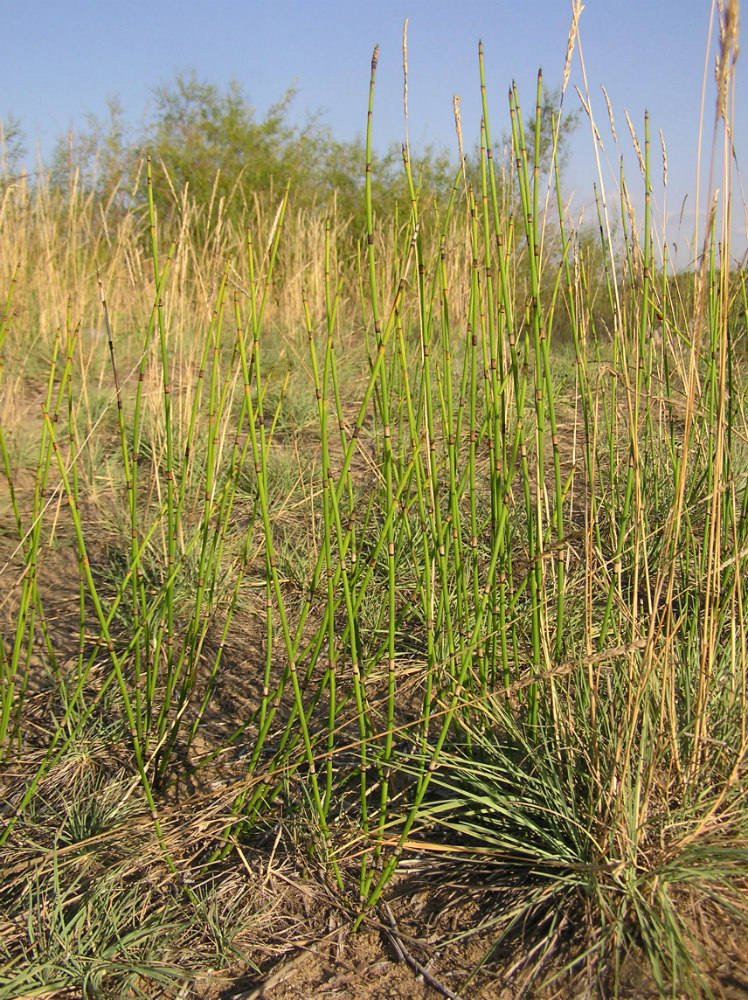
x=101, y=159
x=213, y=143
x=210, y=143
x=12, y=147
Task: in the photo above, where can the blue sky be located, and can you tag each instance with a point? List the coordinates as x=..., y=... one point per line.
x=64, y=58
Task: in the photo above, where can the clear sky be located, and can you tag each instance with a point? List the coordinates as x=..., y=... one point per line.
x=64, y=57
